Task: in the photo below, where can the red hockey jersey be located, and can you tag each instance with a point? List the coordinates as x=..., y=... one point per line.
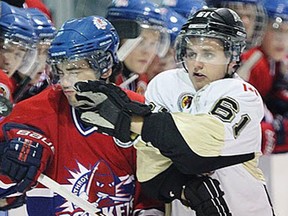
x=263, y=73
x=91, y=165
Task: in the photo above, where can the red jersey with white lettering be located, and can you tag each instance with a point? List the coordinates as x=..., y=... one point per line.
x=94, y=166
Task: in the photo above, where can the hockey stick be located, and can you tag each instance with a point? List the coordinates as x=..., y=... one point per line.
x=68, y=195
x=245, y=69
x=128, y=47
x=129, y=80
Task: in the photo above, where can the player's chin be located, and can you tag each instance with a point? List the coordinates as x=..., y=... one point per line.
x=199, y=83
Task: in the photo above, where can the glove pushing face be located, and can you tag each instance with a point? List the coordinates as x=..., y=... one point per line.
x=26, y=155
x=108, y=107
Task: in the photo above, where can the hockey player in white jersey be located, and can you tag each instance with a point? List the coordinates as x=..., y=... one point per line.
x=212, y=125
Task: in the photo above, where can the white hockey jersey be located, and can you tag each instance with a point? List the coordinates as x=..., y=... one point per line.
x=225, y=121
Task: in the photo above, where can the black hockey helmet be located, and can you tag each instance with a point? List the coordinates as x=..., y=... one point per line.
x=217, y=23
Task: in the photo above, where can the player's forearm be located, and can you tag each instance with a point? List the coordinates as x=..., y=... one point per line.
x=163, y=133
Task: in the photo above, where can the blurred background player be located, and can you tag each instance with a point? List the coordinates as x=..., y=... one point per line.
x=31, y=4
x=269, y=71
x=185, y=8
x=174, y=22
x=252, y=14
x=88, y=163
x=175, y=14
x=17, y=44
x=140, y=52
x=39, y=75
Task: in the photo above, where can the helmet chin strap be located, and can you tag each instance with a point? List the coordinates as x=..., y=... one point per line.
x=184, y=66
x=234, y=68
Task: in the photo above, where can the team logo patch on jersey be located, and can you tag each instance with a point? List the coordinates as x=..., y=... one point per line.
x=185, y=101
x=99, y=185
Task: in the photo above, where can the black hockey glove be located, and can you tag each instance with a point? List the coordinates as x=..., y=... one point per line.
x=26, y=155
x=108, y=107
x=204, y=195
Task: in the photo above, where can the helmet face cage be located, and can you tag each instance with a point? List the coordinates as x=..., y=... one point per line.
x=255, y=18
x=222, y=24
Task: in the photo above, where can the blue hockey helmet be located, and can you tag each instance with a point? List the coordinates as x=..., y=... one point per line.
x=174, y=22
x=92, y=38
x=148, y=15
x=15, y=24
x=142, y=11
x=277, y=8
x=43, y=26
x=18, y=39
x=185, y=7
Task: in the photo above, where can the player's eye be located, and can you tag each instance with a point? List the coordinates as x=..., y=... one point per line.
x=208, y=55
x=190, y=54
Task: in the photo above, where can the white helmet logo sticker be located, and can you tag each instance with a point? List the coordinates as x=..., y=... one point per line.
x=99, y=23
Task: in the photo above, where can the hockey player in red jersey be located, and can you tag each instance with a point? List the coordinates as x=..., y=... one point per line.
x=96, y=167
x=266, y=72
